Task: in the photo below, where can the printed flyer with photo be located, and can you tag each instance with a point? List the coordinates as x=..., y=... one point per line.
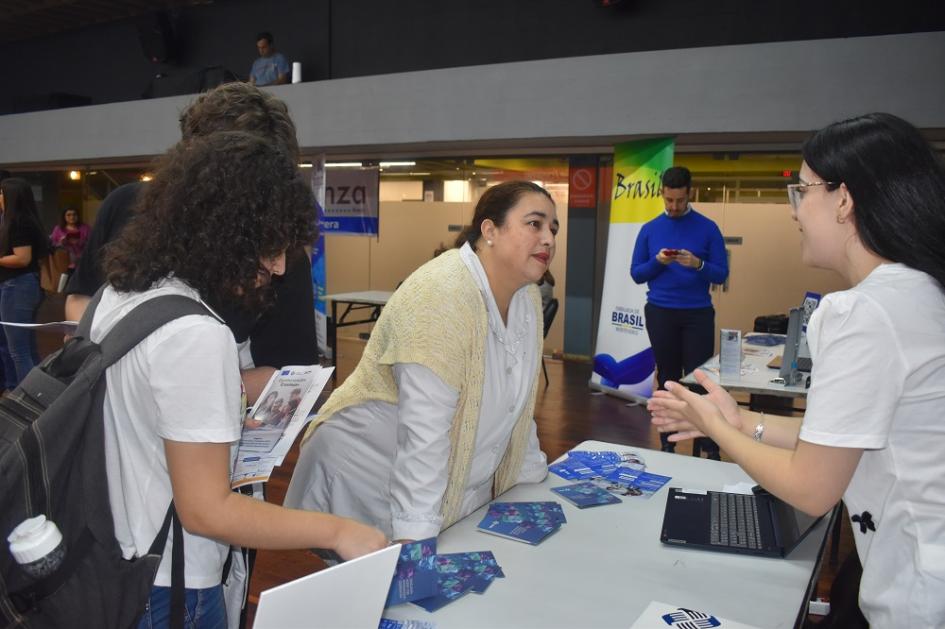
x=271, y=426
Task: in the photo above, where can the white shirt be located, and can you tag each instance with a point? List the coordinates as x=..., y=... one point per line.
x=182, y=383
x=387, y=464
x=878, y=383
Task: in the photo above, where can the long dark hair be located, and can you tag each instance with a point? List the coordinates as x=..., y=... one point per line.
x=20, y=210
x=217, y=205
x=62, y=217
x=494, y=204
x=897, y=183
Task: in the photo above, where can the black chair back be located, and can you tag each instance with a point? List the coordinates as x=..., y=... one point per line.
x=549, y=314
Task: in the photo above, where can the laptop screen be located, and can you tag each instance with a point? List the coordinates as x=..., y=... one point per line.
x=791, y=525
x=325, y=598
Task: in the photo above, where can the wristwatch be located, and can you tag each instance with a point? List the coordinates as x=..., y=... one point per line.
x=701, y=264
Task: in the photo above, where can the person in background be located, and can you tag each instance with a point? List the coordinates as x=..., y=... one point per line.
x=437, y=418
x=271, y=68
x=4, y=351
x=214, y=226
x=71, y=234
x=284, y=334
x=870, y=205
x=679, y=254
x=22, y=244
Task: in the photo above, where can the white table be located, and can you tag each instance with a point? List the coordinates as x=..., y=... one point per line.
x=368, y=303
x=607, y=563
x=756, y=377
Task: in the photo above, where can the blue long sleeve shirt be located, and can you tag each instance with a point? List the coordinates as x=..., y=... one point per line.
x=673, y=285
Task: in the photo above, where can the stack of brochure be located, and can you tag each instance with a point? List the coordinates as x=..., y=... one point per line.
x=529, y=522
x=621, y=474
x=586, y=494
x=429, y=580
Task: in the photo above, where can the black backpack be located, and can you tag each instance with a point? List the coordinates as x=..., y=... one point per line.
x=52, y=462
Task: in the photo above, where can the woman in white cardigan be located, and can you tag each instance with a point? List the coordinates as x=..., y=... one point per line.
x=437, y=418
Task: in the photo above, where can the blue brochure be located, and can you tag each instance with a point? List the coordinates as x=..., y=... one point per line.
x=586, y=494
x=415, y=576
x=584, y=465
x=387, y=623
x=632, y=483
x=459, y=573
x=572, y=469
x=529, y=522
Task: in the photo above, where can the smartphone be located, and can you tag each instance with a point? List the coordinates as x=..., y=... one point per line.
x=670, y=252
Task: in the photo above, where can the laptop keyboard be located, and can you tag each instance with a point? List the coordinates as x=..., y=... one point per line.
x=734, y=521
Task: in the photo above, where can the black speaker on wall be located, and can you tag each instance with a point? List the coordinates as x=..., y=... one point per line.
x=157, y=37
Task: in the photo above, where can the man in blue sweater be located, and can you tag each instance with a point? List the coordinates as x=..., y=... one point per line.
x=679, y=254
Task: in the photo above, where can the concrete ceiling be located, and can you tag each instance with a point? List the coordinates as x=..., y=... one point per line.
x=22, y=20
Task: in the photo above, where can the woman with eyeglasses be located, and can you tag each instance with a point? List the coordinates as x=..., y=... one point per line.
x=870, y=205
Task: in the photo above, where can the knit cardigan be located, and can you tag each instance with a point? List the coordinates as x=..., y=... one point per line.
x=437, y=318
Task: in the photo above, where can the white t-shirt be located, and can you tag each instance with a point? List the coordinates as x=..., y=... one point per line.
x=878, y=383
x=182, y=383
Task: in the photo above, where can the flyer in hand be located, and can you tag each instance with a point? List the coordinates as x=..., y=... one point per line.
x=270, y=428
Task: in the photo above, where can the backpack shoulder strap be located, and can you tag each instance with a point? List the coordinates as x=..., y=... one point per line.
x=85, y=323
x=144, y=319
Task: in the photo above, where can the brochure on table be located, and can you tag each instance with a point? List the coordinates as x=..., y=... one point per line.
x=659, y=614
x=620, y=473
x=270, y=428
x=430, y=580
x=62, y=327
x=529, y=522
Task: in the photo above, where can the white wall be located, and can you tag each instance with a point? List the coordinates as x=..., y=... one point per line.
x=785, y=86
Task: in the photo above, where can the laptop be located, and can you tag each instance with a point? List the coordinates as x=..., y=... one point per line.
x=349, y=595
x=747, y=524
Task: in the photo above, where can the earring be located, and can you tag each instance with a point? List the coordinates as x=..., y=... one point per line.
x=489, y=242
x=841, y=221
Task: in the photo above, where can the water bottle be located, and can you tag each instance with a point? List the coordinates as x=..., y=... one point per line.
x=37, y=546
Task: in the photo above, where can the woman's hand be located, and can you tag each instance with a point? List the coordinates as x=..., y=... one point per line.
x=685, y=413
x=356, y=539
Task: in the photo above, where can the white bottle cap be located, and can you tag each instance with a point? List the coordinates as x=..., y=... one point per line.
x=34, y=539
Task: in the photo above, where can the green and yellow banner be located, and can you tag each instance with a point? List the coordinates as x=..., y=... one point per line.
x=623, y=360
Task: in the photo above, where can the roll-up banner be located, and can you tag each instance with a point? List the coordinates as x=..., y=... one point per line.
x=623, y=360
x=318, y=258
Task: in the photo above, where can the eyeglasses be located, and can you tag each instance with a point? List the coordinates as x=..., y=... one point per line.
x=795, y=191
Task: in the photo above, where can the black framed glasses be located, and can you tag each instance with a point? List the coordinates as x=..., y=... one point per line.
x=795, y=191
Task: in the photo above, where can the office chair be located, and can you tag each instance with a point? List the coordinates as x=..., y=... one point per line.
x=549, y=315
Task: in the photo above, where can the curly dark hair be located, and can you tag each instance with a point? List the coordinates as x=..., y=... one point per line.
x=217, y=206
x=240, y=106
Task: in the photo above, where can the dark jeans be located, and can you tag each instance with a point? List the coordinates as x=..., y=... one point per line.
x=19, y=299
x=682, y=339
x=204, y=609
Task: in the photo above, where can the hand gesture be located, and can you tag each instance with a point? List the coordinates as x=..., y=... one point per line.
x=665, y=256
x=681, y=411
x=687, y=259
x=356, y=539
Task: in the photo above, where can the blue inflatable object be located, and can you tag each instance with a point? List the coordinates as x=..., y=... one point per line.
x=631, y=370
